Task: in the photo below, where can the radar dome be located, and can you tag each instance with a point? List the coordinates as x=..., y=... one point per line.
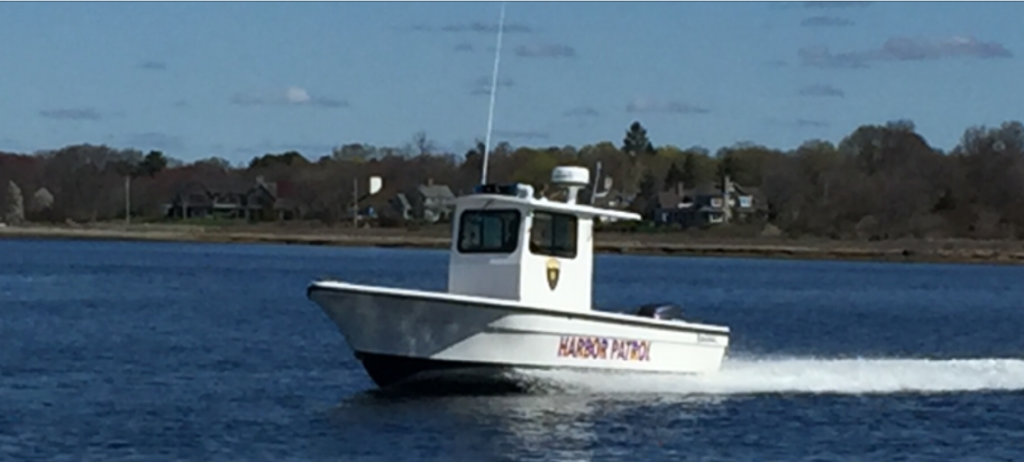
x=573, y=178
x=570, y=176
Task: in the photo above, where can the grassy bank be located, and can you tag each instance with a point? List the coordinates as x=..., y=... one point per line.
x=952, y=251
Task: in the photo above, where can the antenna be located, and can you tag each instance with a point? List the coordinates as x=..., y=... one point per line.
x=494, y=89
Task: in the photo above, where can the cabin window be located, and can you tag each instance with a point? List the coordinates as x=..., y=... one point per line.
x=489, y=231
x=553, y=235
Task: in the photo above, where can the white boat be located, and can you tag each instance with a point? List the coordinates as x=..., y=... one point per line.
x=520, y=278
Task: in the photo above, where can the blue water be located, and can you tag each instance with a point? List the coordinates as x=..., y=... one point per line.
x=154, y=352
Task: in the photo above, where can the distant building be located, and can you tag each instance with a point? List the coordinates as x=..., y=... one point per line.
x=427, y=202
x=709, y=204
x=233, y=199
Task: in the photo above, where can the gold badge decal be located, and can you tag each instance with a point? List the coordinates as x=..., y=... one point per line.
x=554, y=269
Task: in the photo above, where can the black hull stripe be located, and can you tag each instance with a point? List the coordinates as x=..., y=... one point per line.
x=431, y=376
x=403, y=374
x=582, y=315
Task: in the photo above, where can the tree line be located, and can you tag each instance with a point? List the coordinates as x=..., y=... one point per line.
x=882, y=181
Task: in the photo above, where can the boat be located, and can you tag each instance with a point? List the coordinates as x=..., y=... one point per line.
x=519, y=297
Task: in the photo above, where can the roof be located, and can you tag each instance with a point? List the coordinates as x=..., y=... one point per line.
x=228, y=185
x=437, y=191
x=669, y=200
x=705, y=189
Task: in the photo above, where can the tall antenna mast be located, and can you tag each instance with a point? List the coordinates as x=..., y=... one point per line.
x=494, y=89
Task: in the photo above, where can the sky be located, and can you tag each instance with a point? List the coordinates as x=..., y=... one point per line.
x=240, y=79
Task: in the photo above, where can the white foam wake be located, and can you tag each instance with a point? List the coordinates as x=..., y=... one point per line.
x=806, y=375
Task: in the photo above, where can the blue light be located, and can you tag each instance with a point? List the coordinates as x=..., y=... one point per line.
x=503, y=190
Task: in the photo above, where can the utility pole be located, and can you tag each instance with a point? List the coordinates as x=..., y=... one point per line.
x=128, y=200
x=355, y=202
x=373, y=188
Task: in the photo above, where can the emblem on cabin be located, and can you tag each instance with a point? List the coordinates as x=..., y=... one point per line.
x=554, y=269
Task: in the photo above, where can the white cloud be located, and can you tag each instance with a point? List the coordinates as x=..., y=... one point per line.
x=292, y=96
x=297, y=95
x=905, y=49
x=649, y=104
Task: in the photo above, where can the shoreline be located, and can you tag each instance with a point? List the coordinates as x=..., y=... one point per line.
x=668, y=244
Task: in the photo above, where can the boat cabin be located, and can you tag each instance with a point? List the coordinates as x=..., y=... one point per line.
x=510, y=245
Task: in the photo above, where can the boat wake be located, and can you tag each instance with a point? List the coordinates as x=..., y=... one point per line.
x=800, y=376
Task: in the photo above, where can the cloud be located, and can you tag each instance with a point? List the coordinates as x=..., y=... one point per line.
x=904, y=49
x=522, y=135
x=306, y=149
x=835, y=5
x=821, y=57
x=817, y=5
x=477, y=27
x=798, y=123
x=482, y=86
x=653, y=105
x=156, y=140
x=71, y=114
x=582, y=111
x=822, y=91
x=153, y=65
x=811, y=123
x=549, y=50
x=485, y=28
x=297, y=95
x=825, y=21
x=292, y=96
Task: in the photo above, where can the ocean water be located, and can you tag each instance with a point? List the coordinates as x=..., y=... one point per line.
x=204, y=352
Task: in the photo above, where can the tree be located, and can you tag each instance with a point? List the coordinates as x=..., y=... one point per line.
x=674, y=177
x=354, y=152
x=15, y=210
x=154, y=162
x=648, y=186
x=727, y=167
x=882, y=181
x=287, y=159
x=636, y=142
x=689, y=175
x=133, y=164
x=423, y=146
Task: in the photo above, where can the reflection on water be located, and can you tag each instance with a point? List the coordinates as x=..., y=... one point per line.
x=580, y=416
x=540, y=425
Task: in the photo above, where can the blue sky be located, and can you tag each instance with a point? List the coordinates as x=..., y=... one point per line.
x=240, y=79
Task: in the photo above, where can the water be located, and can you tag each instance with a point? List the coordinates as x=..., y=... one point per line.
x=154, y=352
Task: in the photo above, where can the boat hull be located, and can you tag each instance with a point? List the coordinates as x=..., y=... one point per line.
x=404, y=336
x=438, y=376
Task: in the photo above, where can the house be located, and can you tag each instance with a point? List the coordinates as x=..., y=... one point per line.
x=232, y=198
x=384, y=207
x=429, y=202
x=709, y=204
x=437, y=202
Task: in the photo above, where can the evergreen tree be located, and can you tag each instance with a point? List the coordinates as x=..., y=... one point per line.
x=636, y=141
x=674, y=177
